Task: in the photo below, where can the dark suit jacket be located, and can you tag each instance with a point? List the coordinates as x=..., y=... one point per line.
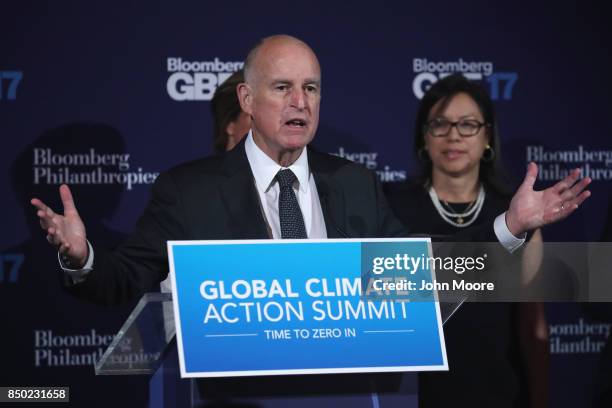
x=215, y=198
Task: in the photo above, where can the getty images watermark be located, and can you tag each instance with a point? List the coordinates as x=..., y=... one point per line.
x=486, y=272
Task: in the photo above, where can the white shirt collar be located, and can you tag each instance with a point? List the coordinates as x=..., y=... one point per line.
x=264, y=168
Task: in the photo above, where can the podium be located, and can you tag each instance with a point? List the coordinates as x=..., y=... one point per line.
x=146, y=345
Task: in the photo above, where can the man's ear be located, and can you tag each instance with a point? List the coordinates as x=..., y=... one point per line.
x=245, y=97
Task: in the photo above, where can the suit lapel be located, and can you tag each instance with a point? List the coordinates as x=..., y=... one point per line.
x=242, y=201
x=330, y=196
x=240, y=197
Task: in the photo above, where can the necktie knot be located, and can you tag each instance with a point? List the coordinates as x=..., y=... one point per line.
x=285, y=178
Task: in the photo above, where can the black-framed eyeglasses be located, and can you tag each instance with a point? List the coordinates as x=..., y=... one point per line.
x=466, y=127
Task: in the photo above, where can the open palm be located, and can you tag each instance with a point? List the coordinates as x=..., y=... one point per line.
x=67, y=231
x=530, y=209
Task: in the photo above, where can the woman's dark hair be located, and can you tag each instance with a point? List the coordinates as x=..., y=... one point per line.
x=491, y=172
x=225, y=109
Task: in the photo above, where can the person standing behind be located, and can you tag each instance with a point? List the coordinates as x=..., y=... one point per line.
x=602, y=311
x=230, y=122
x=462, y=187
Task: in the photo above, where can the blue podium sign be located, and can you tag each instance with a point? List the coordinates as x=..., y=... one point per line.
x=272, y=307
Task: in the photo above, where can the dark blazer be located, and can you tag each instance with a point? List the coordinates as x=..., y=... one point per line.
x=215, y=198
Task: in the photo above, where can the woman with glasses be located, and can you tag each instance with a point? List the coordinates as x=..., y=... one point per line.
x=494, y=349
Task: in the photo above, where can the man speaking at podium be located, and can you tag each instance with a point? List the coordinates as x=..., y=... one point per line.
x=270, y=186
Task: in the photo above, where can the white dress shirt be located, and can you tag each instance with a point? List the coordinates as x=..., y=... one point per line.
x=264, y=171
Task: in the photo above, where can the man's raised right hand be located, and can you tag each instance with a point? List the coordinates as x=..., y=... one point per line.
x=66, y=232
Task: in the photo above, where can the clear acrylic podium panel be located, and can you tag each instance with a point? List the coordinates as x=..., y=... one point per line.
x=145, y=345
x=140, y=343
